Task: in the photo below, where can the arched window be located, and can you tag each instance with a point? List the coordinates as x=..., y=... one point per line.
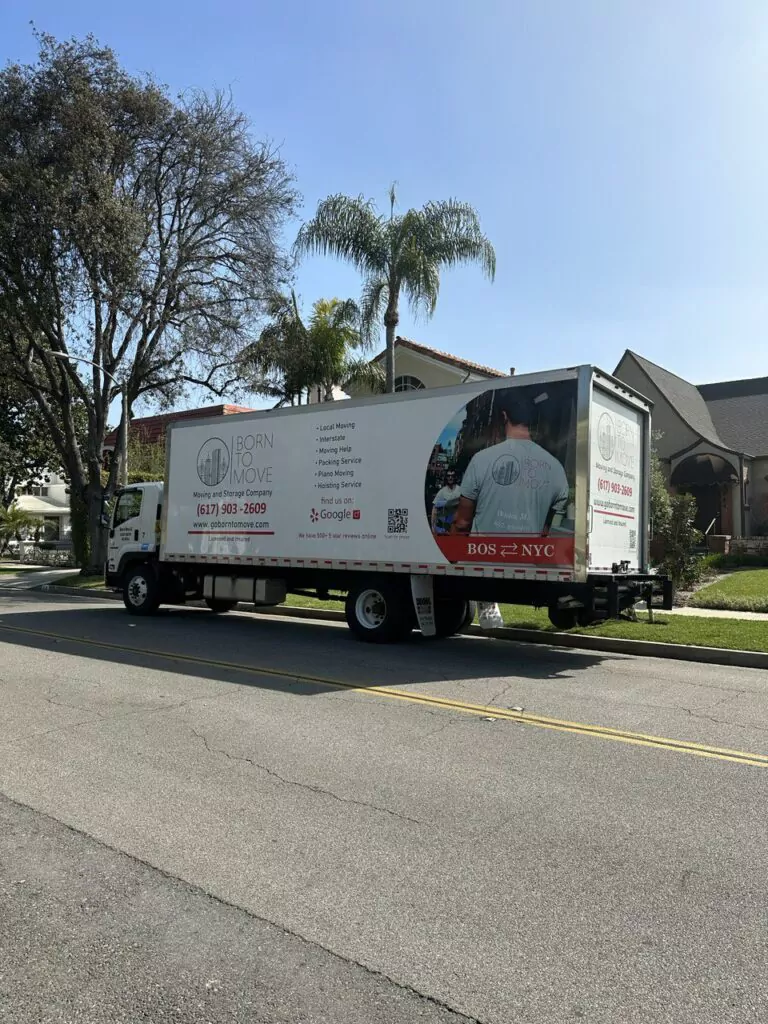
x=408, y=383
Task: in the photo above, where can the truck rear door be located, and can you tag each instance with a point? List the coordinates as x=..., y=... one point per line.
x=619, y=438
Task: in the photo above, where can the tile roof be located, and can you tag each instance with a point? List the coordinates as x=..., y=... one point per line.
x=444, y=357
x=151, y=428
x=739, y=409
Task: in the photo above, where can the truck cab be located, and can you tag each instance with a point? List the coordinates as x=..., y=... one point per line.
x=134, y=530
x=134, y=566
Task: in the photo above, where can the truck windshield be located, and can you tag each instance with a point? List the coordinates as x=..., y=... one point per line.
x=128, y=507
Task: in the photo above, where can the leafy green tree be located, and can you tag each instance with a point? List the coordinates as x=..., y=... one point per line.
x=397, y=254
x=673, y=519
x=292, y=358
x=138, y=232
x=277, y=364
x=27, y=451
x=660, y=498
x=146, y=459
x=680, y=536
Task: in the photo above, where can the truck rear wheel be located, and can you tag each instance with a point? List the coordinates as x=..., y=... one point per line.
x=563, y=618
x=379, y=612
x=453, y=616
x=141, y=592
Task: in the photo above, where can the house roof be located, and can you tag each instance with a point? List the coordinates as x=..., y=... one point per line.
x=683, y=396
x=151, y=428
x=444, y=357
x=39, y=506
x=730, y=414
x=739, y=409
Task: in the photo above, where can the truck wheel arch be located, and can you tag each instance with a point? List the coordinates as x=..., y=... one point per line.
x=379, y=610
x=141, y=589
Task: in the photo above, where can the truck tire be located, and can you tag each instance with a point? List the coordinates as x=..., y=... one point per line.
x=141, y=591
x=563, y=618
x=220, y=607
x=453, y=616
x=379, y=612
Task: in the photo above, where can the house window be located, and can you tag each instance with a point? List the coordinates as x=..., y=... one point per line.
x=408, y=383
x=37, y=492
x=51, y=528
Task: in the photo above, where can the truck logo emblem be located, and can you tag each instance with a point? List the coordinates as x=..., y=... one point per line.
x=606, y=436
x=213, y=462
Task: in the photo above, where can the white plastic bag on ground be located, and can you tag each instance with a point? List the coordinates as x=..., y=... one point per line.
x=489, y=616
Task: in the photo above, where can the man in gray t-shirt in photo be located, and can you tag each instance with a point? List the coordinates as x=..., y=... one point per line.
x=513, y=487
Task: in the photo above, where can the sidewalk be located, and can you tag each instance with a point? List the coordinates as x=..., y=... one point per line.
x=710, y=613
x=29, y=580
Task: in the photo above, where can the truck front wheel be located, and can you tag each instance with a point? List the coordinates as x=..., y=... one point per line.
x=141, y=592
x=379, y=612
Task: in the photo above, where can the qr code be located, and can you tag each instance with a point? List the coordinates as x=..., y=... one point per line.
x=397, y=520
x=632, y=540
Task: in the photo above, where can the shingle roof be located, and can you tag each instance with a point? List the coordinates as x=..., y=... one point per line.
x=739, y=409
x=444, y=357
x=730, y=414
x=684, y=398
x=150, y=429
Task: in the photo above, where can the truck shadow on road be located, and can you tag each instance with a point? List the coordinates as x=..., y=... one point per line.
x=295, y=655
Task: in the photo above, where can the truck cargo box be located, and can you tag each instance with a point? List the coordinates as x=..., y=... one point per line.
x=542, y=476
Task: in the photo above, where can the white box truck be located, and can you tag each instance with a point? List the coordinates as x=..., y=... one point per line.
x=529, y=490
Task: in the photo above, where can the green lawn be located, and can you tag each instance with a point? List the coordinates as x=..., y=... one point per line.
x=744, y=591
x=84, y=582
x=732, y=634
x=669, y=629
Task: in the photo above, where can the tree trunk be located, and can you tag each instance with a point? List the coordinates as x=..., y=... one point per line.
x=78, y=516
x=96, y=530
x=93, y=544
x=389, y=356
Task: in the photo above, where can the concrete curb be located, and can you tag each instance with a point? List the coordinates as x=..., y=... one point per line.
x=53, y=588
x=578, y=641
x=636, y=648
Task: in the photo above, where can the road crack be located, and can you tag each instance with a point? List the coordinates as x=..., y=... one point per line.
x=303, y=785
x=501, y=693
x=98, y=719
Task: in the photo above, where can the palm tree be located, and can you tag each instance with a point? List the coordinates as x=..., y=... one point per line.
x=276, y=364
x=397, y=253
x=334, y=341
x=14, y=523
x=291, y=358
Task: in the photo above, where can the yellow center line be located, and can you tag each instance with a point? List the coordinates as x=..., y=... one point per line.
x=486, y=710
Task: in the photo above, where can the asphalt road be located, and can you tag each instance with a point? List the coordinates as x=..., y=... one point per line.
x=196, y=826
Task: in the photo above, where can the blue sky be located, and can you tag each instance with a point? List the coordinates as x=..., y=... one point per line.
x=616, y=152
